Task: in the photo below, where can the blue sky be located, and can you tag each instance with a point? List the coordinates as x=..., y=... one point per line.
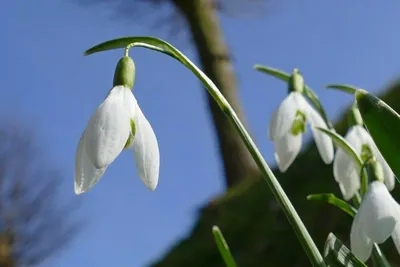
x=50, y=87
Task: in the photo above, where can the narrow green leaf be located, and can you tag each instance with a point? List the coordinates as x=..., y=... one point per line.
x=343, y=144
x=223, y=247
x=335, y=201
x=348, y=149
x=383, y=124
x=336, y=254
x=150, y=42
x=315, y=100
x=281, y=75
x=343, y=87
x=378, y=258
x=284, y=76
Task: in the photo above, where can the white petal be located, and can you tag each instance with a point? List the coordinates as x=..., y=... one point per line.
x=323, y=141
x=396, y=237
x=283, y=117
x=346, y=174
x=286, y=150
x=360, y=244
x=356, y=136
x=366, y=138
x=145, y=149
x=130, y=103
x=378, y=213
x=108, y=129
x=86, y=175
x=388, y=174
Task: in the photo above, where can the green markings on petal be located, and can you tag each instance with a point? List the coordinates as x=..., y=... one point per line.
x=299, y=124
x=366, y=153
x=132, y=135
x=125, y=72
x=383, y=124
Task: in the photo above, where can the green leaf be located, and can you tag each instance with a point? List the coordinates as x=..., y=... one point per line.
x=343, y=144
x=378, y=258
x=223, y=247
x=335, y=201
x=281, y=75
x=383, y=124
x=348, y=149
x=149, y=42
x=284, y=76
x=343, y=87
x=336, y=254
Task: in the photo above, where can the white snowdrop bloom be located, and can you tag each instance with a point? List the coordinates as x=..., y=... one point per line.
x=346, y=171
x=375, y=221
x=117, y=124
x=287, y=125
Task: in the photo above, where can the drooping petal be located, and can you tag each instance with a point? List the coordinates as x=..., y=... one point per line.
x=86, y=174
x=356, y=136
x=396, y=237
x=108, y=129
x=346, y=174
x=145, y=149
x=388, y=174
x=378, y=213
x=323, y=141
x=286, y=150
x=366, y=138
x=130, y=103
x=360, y=244
x=283, y=117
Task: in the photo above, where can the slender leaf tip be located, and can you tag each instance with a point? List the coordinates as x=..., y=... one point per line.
x=215, y=229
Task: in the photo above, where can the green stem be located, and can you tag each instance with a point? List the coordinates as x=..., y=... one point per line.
x=301, y=231
x=161, y=46
x=294, y=219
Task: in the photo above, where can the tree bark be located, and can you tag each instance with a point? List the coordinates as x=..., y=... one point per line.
x=213, y=52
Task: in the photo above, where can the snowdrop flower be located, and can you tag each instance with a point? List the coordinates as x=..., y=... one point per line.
x=287, y=125
x=346, y=171
x=376, y=220
x=117, y=124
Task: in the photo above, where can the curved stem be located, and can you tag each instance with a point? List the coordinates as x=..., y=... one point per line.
x=161, y=46
x=301, y=231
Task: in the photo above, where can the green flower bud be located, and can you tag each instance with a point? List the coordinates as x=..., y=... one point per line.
x=125, y=72
x=296, y=82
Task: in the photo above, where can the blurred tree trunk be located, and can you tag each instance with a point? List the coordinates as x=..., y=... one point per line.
x=212, y=50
